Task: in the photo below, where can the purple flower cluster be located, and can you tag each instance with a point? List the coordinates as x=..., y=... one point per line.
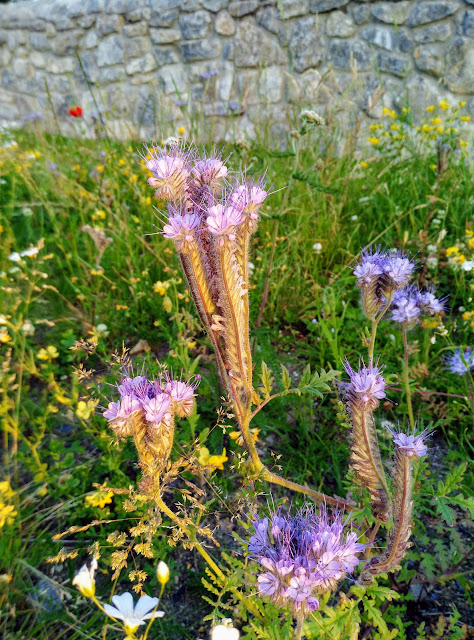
x=461, y=361
x=365, y=387
x=200, y=196
x=158, y=400
x=410, y=303
x=302, y=555
x=384, y=270
x=411, y=445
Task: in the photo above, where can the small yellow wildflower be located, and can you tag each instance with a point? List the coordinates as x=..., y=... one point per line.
x=7, y=514
x=181, y=130
x=394, y=126
x=429, y=323
x=405, y=110
x=237, y=436
x=99, y=498
x=215, y=462
x=375, y=141
x=465, y=118
x=389, y=112
x=133, y=179
x=161, y=287
x=433, y=166
x=4, y=335
x=85, y=409
x=96, y=272
x=467, y=315
x=444, y=104
x=121, y=307
x=451, y=251
x=167, y=304
x=470, y=242
x=463, y=143
x=374, y=127
x=99, y=168
x=76, y=167
x=462, y=103
x=148, y=200
x=436, y=120
x=1, y=228
x=99, y=214
x=459, y=259
x=426, y=128
x=441, y=129
x=122, y=162
x=48, y=354
x=364, y=164
x=430, y=108
x=5, y=490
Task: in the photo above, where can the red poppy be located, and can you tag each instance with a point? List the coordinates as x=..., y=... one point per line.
x=75, y=112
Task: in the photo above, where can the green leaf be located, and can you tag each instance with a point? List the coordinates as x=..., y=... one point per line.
x=266, y=378
x=374, y=614
x=382, y=593
x=311, y=178
x=465, y=503
x=285, y=377
x=453, y=480
x=446, y=513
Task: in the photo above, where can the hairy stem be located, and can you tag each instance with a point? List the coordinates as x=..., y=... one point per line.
x=406, y=378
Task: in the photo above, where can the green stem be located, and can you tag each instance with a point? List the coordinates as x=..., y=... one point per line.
x=375, y=324
x=406, y=378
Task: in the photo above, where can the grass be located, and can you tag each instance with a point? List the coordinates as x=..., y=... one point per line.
x=68, y=307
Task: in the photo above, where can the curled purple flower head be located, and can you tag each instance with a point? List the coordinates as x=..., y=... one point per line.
x=156, y=408
x=428, y=302
x=181, y=228
x=369, y=268
x=210, y=171
x=223, y=220
x=405, y=305
x=112, y=410
x=460, y=361
x=366, y=386
x=170, y=167
x=182, y=395
x=129, y=404
x=302, y=555
x=398, y=268
x=411, y=445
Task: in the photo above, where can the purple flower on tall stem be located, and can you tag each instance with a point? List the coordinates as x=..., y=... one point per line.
x=461, y=361
x=366, y=386
x=411, y=444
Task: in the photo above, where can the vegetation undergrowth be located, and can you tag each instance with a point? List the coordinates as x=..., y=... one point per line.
x=85, y=274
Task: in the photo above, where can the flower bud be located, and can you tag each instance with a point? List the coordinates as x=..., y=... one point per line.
x=162, y=573
x=85, y=580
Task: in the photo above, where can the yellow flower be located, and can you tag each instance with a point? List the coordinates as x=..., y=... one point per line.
x=7, y=514
x=450, y=251
x=374, y=127
x=99, y=168
x=133, y=179
x=161, y=287
x=433, y=166
x=426, y=128
x=394, y=126
x=441, y=128
x=122, y=162
x=364, y=164
x=237, y=436
x=458, y=259
x=167, y=304
x=96, y=272
x=467, y=315
x=5, y=490
x=389, y=112
x=429, y=323
x=85, y=409
x=463, y=143
x=99, y=214
x=436, y=120
x=215, y=462
x=48, y=354
x=405, y=110
x=470, y=242
x=374, y=141
x=181, y=130
x=4, y=335
x=465, y=118
x=76, y=167
x=99, y=498
x=121, y=307
x=444, y=104
x=430, y=108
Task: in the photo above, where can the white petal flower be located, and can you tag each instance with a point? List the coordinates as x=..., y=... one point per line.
x=162, y=572
x=32, y=251
x=85, y=580
x=225, y=631
x=132, y=616
x=14, y=257
x=468, y=265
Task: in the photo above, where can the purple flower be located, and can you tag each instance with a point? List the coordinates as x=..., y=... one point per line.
x=366, y=386
x=223, y=220
x=369, y=268
x=181, y=228
x=405, y=305
x=428, y=303
x=385, y=270
x=182, y=395
x=461, y=361
x=128, y=405
x=171, y=170
x=156, y=408
x=52, y=166
x=210, y=171
x=410, y=444
x=302, y=555
x=112, y=410
x=399, y=269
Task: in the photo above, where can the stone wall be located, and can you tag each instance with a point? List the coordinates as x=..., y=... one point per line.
x=230, y=65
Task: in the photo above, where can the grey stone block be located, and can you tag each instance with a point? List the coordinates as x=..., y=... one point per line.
x=165, y=36
x=381, y=36
x=320, y=6
x=391, y=12
x=110, y=51
x=396, y=65
x=307, y=47
x=224, y=24
x=468, y=24
x=141, y=65
x=215, y=5
x=254, y=46
x=240, y=8
x=200, y=49
x=434, y=33
x=424, y=12
x=195, y=25
x=341, y=52
x=339, y=25
x=429, y=59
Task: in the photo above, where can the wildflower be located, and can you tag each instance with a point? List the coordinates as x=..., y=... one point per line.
x=76, y=111
x=465, y=118
x=4, y=335
x=170, y=173
x=317, y=247
x=14, y=257
x=363, y=164
x=302, y=556
x=444, y=104
x=181, y=130
x=161, y=287
x=223, y=220
x=366, y=386
x=132, y=616
x=225, y=631
x=85, y=409
x=157, y=408
x=249, y=198
x=411, y=445
x=5, y=489
x=237, y=436
x=308, y=116
x=182, y=395
x=373, y=140
x=461, y=361
x=180, y=228
x=213, y=461
x=48, y=354
x=468, y=265
x=389, y=112
x=409, y=303
x=450, y=251
x=162, y=573
x=84, y=580
x=210, y=171
x=99, y=498
x=462, y=103
x=7, y=514
x=430, y=108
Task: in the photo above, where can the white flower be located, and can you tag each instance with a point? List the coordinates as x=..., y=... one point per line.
x=102, y=329
x=354, y=217
x=28, y=328
x=317, y=247
x=14, y=257
x=32, y=251
x=85, y=581
x=468, y=265
x=133, y=616
x=225, y=631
